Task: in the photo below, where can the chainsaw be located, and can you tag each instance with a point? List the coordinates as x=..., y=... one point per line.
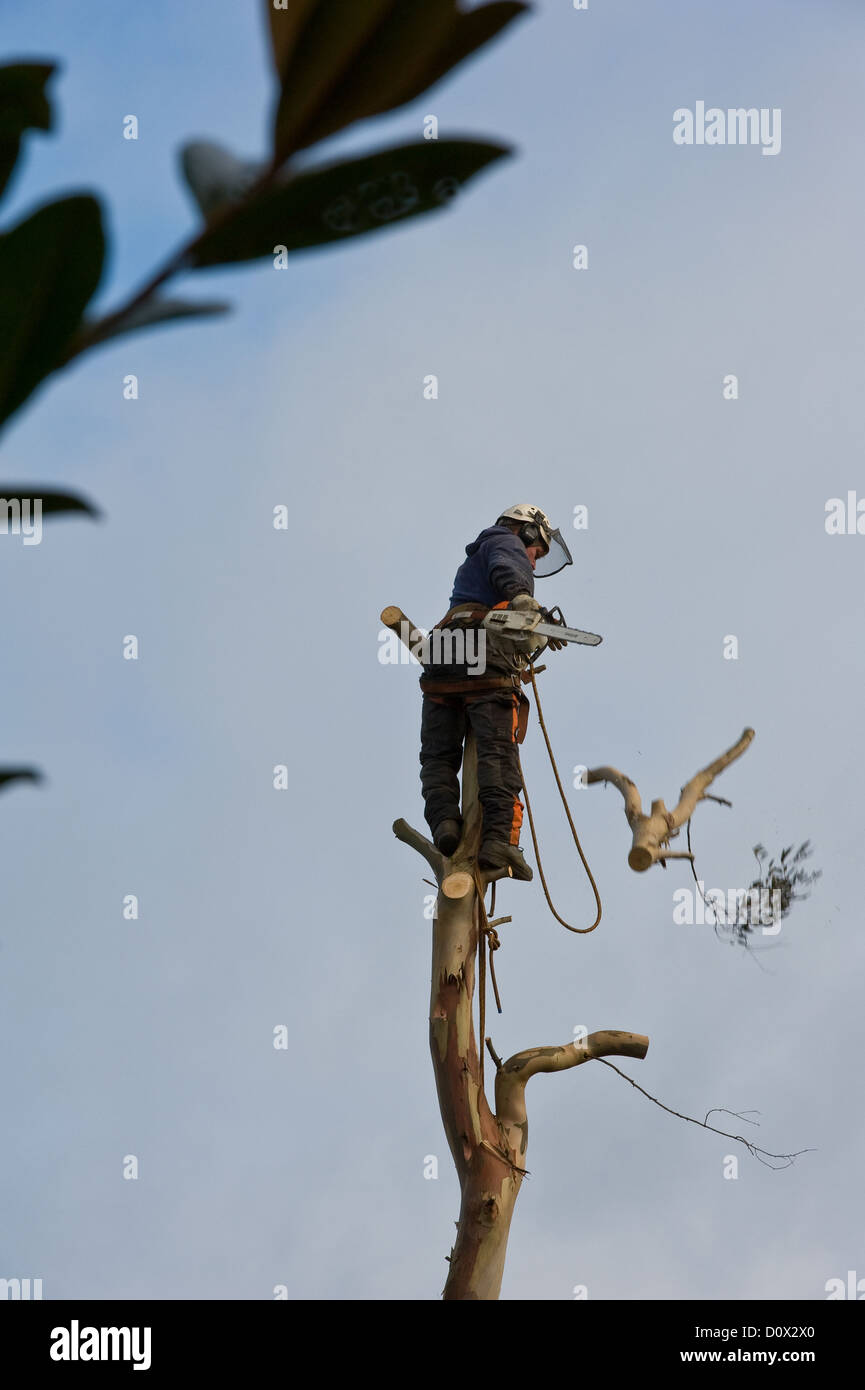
x=546, y=623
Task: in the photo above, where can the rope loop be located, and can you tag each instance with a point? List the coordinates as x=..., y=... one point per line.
x=580, y=931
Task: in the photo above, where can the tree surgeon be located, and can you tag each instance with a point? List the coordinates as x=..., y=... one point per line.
x=499, y=572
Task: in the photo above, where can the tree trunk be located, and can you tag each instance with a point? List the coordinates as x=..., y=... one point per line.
x=489, y=1179
x=488, y=1149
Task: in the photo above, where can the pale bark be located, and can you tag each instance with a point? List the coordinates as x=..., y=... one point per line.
x=514, y=1074
x=652, y=833
x=488, y=1148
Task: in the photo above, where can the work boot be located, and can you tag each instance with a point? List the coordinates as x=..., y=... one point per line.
x=498, y=854
x=447, y=836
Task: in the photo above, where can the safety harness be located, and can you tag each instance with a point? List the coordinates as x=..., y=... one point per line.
x=467, y=614
x=476, y=687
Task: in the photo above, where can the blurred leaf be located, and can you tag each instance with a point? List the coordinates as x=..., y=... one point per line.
x=146, y=315
x=339, y=61
x=286, y=22
x=19, y=774
x=416, y=47
x=471, y=32
x=23, y=106
x=322, y=44
x=346, y=199
x=216, y=176
x=52, y=502
x=50, y=265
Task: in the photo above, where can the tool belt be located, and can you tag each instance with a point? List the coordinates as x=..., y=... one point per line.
x=475, y=687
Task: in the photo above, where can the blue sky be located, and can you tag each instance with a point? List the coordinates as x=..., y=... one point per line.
x=304, y=1167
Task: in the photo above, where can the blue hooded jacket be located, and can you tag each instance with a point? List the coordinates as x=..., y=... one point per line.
x=497, y=568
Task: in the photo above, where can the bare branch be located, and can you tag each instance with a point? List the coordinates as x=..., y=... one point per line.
x=737, y=1114
x=739, y=1139
x=495, y=1056
x=610, y=1042
x=633, y=804
x=696, y=788
x=410, y=836
x=401, y=626
x=511, y=1079
x=652, y=832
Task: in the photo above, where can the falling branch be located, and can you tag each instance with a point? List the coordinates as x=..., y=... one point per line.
x=653, y=832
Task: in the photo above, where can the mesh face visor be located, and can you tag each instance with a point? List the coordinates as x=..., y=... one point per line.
x=555, y=559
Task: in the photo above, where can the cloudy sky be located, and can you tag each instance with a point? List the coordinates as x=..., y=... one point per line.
x=602, y=388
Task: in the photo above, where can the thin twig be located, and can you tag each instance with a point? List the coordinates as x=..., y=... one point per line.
x=738, y=1114
x=495, y=1056
x=752, y=1148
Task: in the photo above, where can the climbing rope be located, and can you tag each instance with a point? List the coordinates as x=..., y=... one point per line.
x=581, y=931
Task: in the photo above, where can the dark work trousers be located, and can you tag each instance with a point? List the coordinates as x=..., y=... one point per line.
x=445, y=721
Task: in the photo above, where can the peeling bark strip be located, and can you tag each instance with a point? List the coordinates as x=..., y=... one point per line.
x=653, y=832
x=488, y=1149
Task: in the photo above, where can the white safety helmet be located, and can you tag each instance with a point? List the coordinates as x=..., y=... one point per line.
x=537, y=529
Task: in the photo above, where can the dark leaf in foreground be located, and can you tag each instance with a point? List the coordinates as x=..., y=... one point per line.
x=23, y=106
x=52, y=503
x=18, y=774
x=339, y=61
x=346, y=199
x=50, y=266
x=148, y=314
